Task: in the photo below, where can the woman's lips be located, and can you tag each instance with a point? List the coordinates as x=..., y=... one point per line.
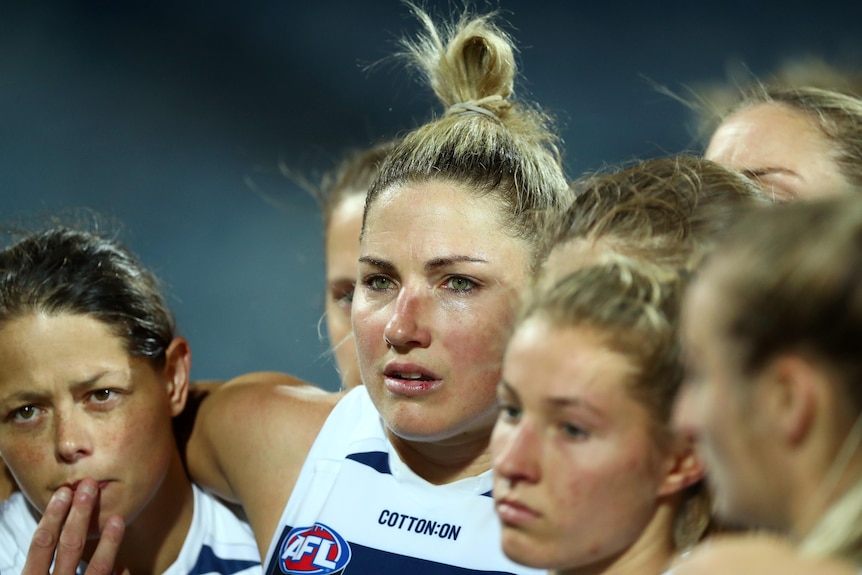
x=73, y=485
x=410, y=380
x=514, y=513
x=411, y=387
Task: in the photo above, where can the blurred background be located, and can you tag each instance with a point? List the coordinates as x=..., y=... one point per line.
x=173, y=120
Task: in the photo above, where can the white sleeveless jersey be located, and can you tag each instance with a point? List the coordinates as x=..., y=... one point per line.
x=218, y=542
x=358, y=508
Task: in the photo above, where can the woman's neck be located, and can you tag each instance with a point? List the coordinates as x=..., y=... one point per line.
x=824, y=483
x=446, y=461
x=836, y=528
x=651, y=554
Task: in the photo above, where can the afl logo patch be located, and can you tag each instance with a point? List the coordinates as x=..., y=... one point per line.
x=315, y=550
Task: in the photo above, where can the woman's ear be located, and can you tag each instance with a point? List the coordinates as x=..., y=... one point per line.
x=790, y=385
x=178, y=360
x=684, y=467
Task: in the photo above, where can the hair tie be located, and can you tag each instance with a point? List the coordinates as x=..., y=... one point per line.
x=462, y=109
x=475, y=107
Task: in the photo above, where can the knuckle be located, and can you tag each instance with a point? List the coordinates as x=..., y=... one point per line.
x=44, y=538
x=71, y=542
x=99, y=566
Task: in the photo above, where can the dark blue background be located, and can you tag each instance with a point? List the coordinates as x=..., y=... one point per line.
x=173, y=117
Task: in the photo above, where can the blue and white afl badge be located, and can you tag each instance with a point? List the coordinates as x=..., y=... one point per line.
x=314, y=550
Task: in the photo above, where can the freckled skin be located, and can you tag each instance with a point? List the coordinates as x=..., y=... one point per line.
x=459, y=336
x=75, y=430
x=573, y=446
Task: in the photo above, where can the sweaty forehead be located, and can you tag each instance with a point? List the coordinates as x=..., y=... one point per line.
x=433, y=211
x=441, y=194
x=765, y=135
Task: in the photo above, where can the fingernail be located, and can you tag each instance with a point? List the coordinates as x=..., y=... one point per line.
x=116, y=522
x=88, y=488
x=63, y=495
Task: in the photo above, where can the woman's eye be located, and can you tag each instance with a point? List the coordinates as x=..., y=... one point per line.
x=509, y=412
x=102, y=395
x=379, y=283
x=344, y=296
x=460, y=284
x=575, y=432
x=26, y=413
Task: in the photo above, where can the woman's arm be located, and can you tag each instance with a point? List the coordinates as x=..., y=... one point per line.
x=249, y=440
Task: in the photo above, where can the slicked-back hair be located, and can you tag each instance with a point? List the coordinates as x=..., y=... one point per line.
x=65, y=271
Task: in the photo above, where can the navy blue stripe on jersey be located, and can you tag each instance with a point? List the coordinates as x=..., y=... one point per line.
x=487, y=494
x=377, y=460
x=368, y=561
x=209, y=562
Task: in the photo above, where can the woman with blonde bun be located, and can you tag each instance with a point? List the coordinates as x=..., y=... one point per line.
x=395, y=475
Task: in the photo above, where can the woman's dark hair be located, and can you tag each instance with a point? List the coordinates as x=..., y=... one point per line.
x=66, y=271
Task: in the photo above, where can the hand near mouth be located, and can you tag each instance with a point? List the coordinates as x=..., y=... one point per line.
x=63, y=528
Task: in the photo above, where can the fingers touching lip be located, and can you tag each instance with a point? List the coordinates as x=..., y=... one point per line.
x=75, y=483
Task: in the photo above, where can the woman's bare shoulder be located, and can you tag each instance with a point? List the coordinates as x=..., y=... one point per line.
x=756, y=554
x=252, y=434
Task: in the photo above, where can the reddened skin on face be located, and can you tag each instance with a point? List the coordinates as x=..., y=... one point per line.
x=580, y=478
x=438, y=287
x=75, y=404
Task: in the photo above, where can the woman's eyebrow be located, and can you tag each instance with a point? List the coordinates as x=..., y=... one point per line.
x=758, y=172
x=30, y=395
x=443, y=262
x=380, y=264
x=504, y=387
x=25, y=395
